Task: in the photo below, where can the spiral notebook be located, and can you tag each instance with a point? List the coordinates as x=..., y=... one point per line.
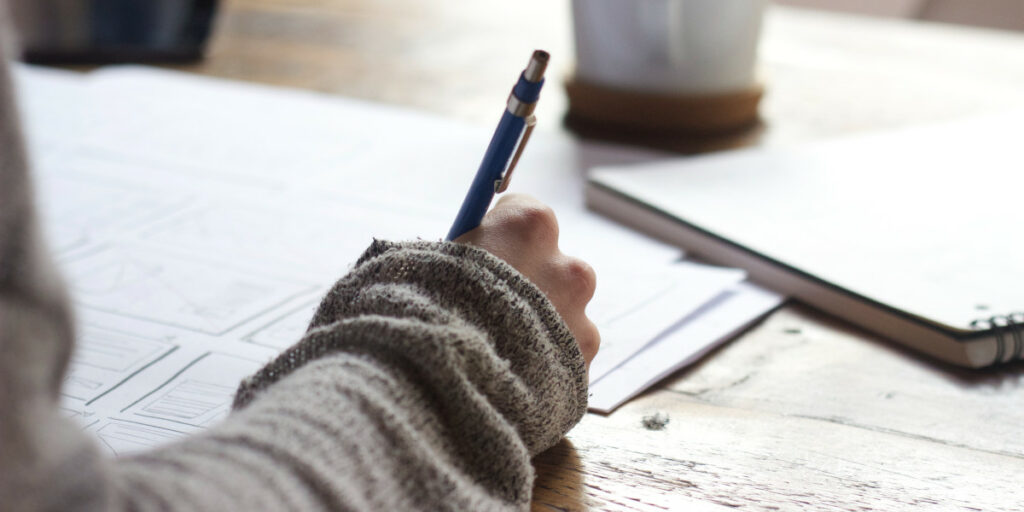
x=915, y=235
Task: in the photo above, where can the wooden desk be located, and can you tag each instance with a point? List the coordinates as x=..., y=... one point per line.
x=801, y=412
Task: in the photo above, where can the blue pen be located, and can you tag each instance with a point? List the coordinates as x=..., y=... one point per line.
x=513, y=130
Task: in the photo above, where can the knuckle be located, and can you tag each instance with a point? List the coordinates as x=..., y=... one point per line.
x=581, y=276
x=535, y=222
x=589, y=340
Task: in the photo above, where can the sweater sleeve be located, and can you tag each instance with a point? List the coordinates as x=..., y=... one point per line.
x=428, y=378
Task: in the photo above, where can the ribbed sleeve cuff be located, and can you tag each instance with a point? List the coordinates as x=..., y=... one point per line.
x=434, y=286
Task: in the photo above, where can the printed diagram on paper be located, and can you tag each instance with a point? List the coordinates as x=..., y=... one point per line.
x=194, y=398
x=105, y=359
x=185, y=293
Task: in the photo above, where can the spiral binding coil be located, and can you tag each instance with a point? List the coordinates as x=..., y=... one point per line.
x=1006, y=328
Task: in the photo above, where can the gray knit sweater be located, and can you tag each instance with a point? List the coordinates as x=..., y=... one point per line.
x=428, y=378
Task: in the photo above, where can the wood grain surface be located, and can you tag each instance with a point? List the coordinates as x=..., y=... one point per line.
x=800, y=413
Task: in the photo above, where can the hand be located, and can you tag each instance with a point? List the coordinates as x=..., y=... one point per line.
x=524, y=232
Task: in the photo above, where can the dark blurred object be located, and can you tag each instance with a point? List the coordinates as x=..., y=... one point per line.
x=106, y=31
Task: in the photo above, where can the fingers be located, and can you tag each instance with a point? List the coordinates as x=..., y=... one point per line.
x=580, y=280
x=520, y=230
x=524, y=232
x=571, y=284
x=526, y=220
x=587, y=336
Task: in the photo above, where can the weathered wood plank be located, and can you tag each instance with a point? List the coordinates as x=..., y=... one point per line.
x=757, y=460
x=800, y=364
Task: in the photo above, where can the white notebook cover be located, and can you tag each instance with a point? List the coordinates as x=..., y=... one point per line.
x=923, y=222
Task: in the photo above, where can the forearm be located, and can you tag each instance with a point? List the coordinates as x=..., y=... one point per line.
x=342, y=433
x=431, y=374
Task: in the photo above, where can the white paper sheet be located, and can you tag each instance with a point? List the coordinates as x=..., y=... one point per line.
x=198, y=223
x=641, y=304
x=694, y=336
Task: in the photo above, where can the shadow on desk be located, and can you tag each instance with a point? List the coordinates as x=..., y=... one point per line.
x=799, y=344
x=994, y=377
x=559, y=483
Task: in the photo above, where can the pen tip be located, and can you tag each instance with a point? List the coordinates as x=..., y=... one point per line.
x=538, y=63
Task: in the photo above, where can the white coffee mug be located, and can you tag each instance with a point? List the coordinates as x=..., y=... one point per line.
x=668, y=46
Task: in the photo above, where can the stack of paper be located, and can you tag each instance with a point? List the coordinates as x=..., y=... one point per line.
x=693, y=336
x=199, y=221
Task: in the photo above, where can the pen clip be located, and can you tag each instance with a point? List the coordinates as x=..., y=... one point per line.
x=501, y=185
